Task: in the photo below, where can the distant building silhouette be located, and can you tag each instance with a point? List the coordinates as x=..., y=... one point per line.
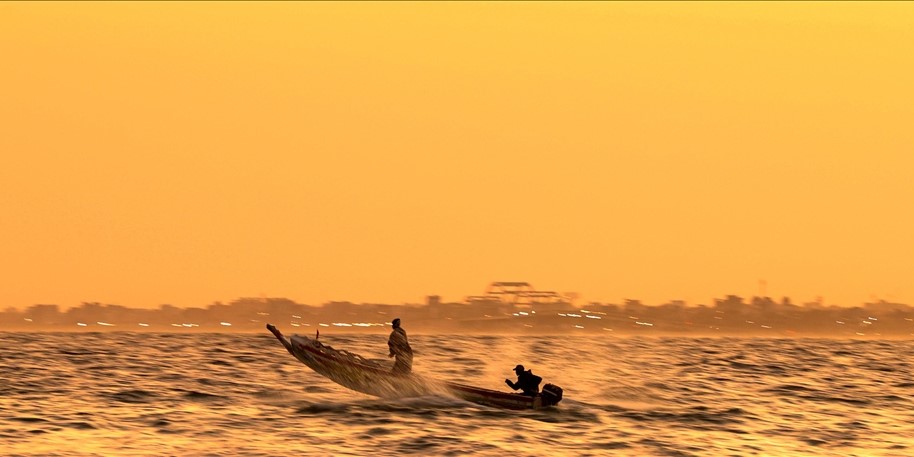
x=505, y=307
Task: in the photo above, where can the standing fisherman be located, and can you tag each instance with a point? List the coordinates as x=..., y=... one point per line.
x=399, y=347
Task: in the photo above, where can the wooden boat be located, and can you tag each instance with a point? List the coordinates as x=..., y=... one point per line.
x=362, y=375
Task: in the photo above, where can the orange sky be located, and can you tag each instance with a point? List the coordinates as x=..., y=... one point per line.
x=185, y=153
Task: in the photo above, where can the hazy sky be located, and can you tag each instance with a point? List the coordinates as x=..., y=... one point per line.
x=184, y=153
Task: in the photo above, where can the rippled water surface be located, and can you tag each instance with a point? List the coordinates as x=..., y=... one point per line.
x=222, y=394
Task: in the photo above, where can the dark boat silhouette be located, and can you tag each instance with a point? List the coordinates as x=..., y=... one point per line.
x=366, y=376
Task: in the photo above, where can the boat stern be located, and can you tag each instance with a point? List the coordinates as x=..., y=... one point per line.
x=551, y=395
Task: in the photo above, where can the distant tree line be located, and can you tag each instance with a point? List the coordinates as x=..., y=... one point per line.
x=731, y=315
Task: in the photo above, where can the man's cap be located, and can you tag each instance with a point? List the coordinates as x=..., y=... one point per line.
x=519, y=368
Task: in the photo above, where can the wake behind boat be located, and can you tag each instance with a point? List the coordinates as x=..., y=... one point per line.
x=366, y=376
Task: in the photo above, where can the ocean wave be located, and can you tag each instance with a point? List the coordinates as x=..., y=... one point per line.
x=166, y=394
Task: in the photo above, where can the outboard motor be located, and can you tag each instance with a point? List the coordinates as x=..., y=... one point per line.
x=551, y=394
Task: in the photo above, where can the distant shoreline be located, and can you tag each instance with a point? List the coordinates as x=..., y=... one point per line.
x=731, y=316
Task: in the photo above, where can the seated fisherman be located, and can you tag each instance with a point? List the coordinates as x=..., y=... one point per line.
x=528, y=382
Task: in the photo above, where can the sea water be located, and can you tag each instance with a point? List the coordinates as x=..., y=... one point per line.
x=128, y=394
